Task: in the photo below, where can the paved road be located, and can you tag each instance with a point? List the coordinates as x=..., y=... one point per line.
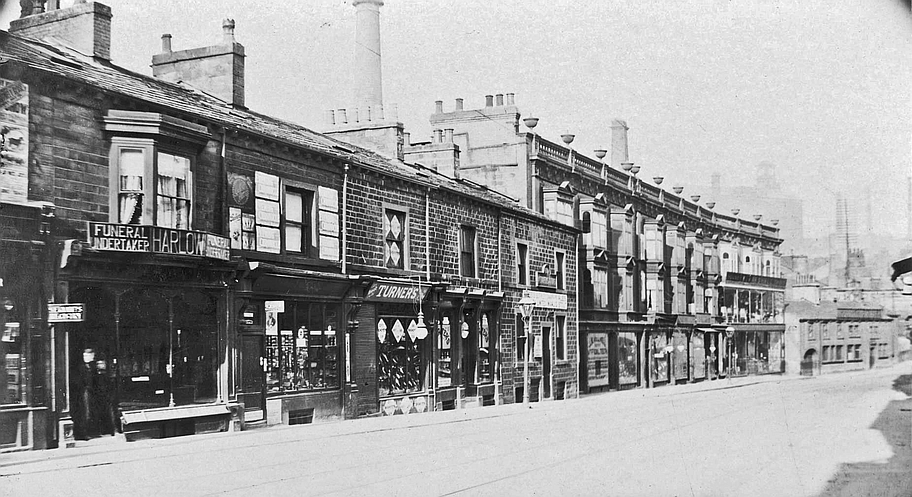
x=787, y=436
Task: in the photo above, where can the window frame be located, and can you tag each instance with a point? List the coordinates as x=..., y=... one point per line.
x=151, y=149
x=560, y=269
x=522, y=263
x=403, y=239
x=464, y=229
x=560, y=337
x=313, y=251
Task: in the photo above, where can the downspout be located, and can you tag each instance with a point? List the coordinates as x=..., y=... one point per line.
x=427, y=234
x=345, y=220
x=578, y=345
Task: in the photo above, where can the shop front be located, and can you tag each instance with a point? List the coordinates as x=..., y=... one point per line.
x=292, y=344
x=612, y=357
x=25, y=389
x=757, y=349
x=659, y=347
x=149, y=355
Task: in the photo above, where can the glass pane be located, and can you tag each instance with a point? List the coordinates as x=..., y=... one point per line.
x=293, y=207
x=130, y=208
x=132, y=163
x=292, y=238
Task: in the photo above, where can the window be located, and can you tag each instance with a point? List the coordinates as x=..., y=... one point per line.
x=400, y=357
x=15, y=386
x=839, y=353
x=166, y=200
x=839, y=330
x=520, y=339
x=467, y=260
x=600, y=287
x=522, y=264
x=559, y=267
x=484, y=349
x=560, y=342
x=855, y=331
x=151, y=184
x=812, y=331
x=444, y=343
x=726, y=262
x=301, y=346
x=825, y=331
x=395, y=229
x=299, y=225
x=854, y=353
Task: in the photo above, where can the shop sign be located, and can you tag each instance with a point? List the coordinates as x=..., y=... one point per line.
x=389, y=291
x=66, y=313
x=544, y=279
x=113, y=237
x=547, y=300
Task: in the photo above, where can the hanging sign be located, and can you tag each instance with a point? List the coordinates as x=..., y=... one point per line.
x=66, y=313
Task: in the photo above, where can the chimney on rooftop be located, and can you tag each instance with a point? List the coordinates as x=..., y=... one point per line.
x=217, y=70
x=618, y=142
x=84, y=27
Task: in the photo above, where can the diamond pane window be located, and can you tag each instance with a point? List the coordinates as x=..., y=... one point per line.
x=394, y=225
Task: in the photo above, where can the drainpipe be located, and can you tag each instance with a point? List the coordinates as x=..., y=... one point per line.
x=578, y=345
x=345, y=220
x=427, y=234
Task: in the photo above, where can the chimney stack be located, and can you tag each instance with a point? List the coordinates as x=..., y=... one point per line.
x=489, y=100
x=499, y=100
x=217, y=70
x=618, y=142
x=438, y=106
x=368, y=77
x=85, y=26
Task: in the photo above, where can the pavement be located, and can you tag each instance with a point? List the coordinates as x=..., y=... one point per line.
x=762, y=435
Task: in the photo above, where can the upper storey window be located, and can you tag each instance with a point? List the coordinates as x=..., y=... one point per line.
x=152, y=163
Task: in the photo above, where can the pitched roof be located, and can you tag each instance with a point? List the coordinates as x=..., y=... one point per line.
x=59, y=60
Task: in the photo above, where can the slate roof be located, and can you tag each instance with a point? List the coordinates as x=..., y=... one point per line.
x=57, y=59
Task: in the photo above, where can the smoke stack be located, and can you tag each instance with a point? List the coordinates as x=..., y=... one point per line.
x=368, y=77
x=510, y=100
x=489, y=100
x=448, y=135
x=459, y=104
x=438, y=106
x=499, y=100
x=618, y=142
x=166, y=43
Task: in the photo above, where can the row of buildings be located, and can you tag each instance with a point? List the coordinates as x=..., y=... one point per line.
x=174, y=262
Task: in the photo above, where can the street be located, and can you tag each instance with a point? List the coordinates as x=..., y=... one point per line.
x=842, y=434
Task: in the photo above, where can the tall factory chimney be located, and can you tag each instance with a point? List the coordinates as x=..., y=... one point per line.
x=618, y=142
x=368, y=78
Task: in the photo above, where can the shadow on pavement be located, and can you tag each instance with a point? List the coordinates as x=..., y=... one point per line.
x=893, y=478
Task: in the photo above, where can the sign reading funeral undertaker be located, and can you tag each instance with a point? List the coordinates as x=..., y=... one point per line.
x=66, y=313
x=113, y=237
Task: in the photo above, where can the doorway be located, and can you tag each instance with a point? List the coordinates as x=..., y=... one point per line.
x=546, y=361
x=253, y=378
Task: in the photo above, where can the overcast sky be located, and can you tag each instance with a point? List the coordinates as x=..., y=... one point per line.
x=819, y=88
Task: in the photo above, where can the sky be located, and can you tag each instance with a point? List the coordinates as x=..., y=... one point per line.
x=821, y=89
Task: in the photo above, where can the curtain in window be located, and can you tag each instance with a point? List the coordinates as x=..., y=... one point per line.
x=132, y=167
x=173, y=191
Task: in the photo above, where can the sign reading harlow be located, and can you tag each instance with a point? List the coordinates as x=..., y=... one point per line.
x=141, y=238
x=390, y=291
x=547, y=300
x=66, y=313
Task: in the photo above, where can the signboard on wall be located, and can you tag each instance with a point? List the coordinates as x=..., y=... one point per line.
x=14, y=141
x=547, y=300
x=597, y=359
x=66, y=313
x=113, y=237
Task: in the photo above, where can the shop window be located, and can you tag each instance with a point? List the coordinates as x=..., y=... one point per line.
x=560, y=338
x=485, y=350
x=302, y=350
x=400, y=356
x=883, y=350
x=522, y=264
x=394, y=225
x=468, y=262
x=627, y=358
x=854, y=353
x=444, y=348
x=560, y=269
x=14, y=379
x=299, y=222
x=839, y=356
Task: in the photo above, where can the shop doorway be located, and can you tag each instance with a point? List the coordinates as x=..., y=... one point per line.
x=872, y=358
x=808, y=362
x=253, y=378
x=546, y=361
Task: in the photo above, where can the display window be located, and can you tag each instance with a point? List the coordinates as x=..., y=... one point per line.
x=627, y=358
x=302, y=348
x=444, y=354
x=401, y=356
x=659, y=354
x=699, y=355
x=13, y=391
x=597, y=359
x=679, y=341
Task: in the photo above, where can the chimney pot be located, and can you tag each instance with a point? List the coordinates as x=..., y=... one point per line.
x=228, y=29
x=489, y=100
x=407, y=139
x=499, y=101
x=510, y=99
x=166, y=43
x=459, y=104
x=438, y=104
x=448, y=135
